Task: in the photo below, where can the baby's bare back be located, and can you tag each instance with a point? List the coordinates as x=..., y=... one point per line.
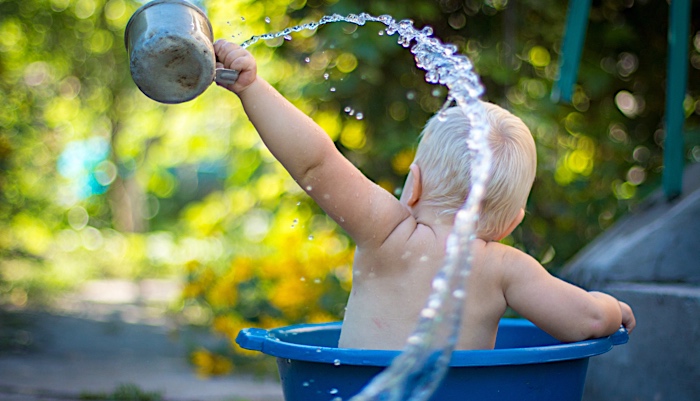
x=391, y=286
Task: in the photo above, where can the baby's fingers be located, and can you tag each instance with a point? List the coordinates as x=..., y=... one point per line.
x=628, y=319
x=233, y=57
x=220, y=44
x=226, y=52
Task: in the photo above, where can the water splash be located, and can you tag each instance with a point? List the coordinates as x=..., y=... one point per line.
x=418, y=370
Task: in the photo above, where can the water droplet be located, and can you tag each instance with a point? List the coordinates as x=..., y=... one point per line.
x=308, y=59
x=336, y=362
x=311, y=237
x=410, y=95
x=428, y=313
x=305, y=384
x=414, y=339
x=436, y=92
x=326, y=75
x=298, y=203
x=317, y=281
x=242, y=18
x=287, y=37
x=332, y=88
x=309, y=187
x=334, y=391
x=439, y=284
x=359, y=116
x=459, y=294
x=319, y=351
x=303, y=279
x=267, y=20
x=348, y=109
x=381, y=33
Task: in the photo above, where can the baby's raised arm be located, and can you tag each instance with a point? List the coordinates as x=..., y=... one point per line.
x=366, y=211
x=565, y=311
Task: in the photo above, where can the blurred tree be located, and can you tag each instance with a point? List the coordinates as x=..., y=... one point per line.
x=59, y=79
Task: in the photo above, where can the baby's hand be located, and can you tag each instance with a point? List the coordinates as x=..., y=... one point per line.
x=234, y=57
x=628, y=319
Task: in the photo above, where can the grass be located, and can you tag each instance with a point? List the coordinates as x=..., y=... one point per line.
x=123, y=392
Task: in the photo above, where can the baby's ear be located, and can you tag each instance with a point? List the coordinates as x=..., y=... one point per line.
x=416, y=185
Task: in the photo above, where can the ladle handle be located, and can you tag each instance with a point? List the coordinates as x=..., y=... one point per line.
x=225, y=77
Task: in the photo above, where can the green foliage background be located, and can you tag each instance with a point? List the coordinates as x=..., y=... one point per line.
x=189, y=191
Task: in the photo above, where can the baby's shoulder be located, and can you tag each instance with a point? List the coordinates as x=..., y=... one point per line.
x=498, y=257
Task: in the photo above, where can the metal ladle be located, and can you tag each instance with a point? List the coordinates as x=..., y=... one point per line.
x=171, y=53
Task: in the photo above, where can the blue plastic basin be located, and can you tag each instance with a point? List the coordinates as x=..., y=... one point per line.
x=527, y=364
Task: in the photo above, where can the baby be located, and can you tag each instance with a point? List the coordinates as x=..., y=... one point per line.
x=400, y=243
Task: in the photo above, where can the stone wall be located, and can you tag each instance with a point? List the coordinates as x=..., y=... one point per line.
x=651, y=260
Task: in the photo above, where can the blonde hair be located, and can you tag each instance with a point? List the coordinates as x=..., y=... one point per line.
x=444, y=159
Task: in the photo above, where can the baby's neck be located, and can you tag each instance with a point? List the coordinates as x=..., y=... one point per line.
x=433, y=216
x=437, y=219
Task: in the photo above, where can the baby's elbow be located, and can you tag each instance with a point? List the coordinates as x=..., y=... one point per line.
x=604, y=316
x=603, y=324
x=590, y=327
x=305, y=175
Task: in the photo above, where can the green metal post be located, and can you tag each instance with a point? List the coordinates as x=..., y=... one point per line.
x=678, y=31
x=571, y=49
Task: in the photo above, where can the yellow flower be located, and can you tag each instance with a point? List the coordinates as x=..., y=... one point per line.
x=230, y=326
x=321, y=317
x=224, y=291
x=269, y=322
x=293, y=296
x=243, y=269
x=192, y=266
x=210, y=364
x=227, y=325
x=192, y=290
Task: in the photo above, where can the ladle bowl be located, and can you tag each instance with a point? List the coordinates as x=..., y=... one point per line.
x=171, y=52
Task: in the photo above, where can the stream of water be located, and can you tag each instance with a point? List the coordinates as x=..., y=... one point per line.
x=418, y=370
